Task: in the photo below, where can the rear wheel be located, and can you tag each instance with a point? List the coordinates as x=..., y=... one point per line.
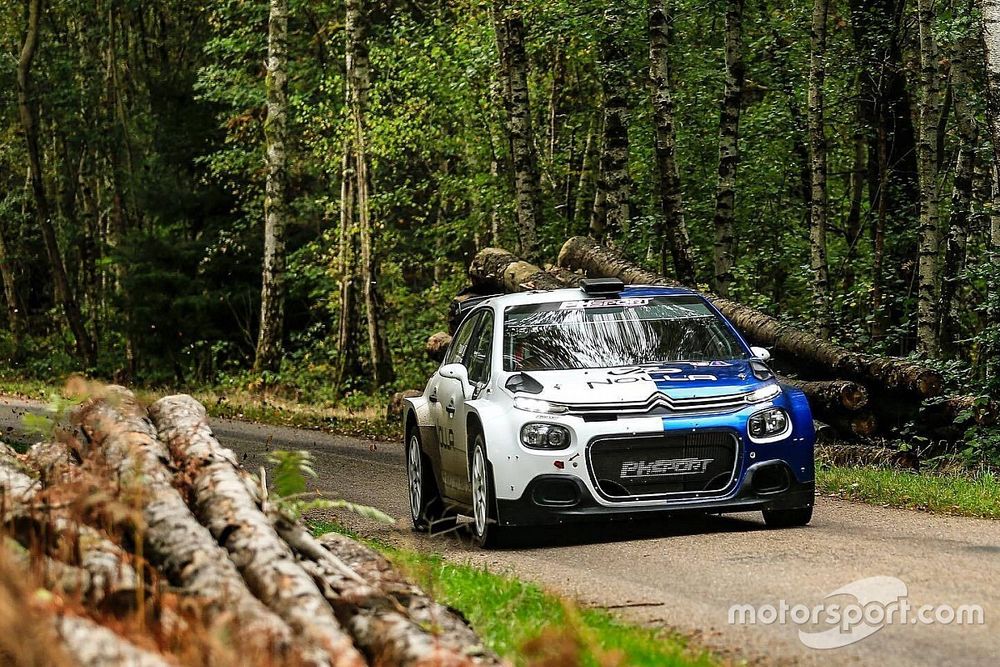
x=485, y=529
x=427, y=509
x=799, y=516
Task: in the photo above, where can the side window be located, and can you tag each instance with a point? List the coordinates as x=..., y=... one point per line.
x=460, y=344
x=478, y=355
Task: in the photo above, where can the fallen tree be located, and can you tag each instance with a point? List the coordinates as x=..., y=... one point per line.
x=228, y=504
x=285, y=565
x=888, y=373
x=831, y=396
x=496, y=270
x=181, y=547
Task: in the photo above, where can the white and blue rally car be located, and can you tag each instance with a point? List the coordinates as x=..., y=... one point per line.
x=604, y=402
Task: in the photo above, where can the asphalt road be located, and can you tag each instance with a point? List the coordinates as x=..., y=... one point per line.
x=687, y=574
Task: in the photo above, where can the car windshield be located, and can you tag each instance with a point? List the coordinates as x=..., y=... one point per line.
x=607, y=333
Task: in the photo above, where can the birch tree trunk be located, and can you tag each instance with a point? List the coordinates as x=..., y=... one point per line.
x=26, y=110
x=229, y=506
x=272, y=292
x=509, y=28
x=729, y=153
x=358, y=84
x=674, y=233
x=173, y=539
x=927, y=163
x=817, y=149
x=348, y=365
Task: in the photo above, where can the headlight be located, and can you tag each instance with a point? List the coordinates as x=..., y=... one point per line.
x=538, y=405
x=763, y=394
x=768, y=424
x=545, y=436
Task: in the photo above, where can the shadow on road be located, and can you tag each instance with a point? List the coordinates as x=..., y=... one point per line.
x=547, y=537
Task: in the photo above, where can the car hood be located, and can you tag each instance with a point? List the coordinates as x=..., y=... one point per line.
x=633, y=383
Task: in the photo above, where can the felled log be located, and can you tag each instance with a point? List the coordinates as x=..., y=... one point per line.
x=380, y=624
x=181, y=548
x=227, y=502
x=93, y=645
x=49, y=458
x=497, y=269
x=831, y=396
x=82, y=560
x=857, y=425
x=565, y=277
x=451, y=630
x=891, y=373
x=16, y=486
x=394, y=410
x=437, y=345
x=945, y=412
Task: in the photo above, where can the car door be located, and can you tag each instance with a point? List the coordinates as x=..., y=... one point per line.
x=478, y=360
x=447, y=400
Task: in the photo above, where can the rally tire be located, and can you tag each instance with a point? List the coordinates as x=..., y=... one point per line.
x=427, y=509
x=792, y=518
x=486, y=531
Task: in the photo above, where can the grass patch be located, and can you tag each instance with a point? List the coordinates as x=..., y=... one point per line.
x=362, y=421
x=974, y=494
x=523, y=623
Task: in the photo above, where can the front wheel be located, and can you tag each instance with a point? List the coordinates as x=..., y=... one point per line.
x=799, y=516
x=485, y=529
x=427, y=509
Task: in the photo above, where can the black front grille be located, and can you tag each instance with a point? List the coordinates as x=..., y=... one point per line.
x=625, y=467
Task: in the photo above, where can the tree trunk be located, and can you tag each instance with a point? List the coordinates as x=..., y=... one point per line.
x=60, y=281
x=889, y=373
x=348, y=363
x=817, y=146
x=226, y=501
x=452, y=633
x=15, y=311
x=272, y=292
x=961, y=202
x=831, y=395
x=93, y=645
x=729, y=152
x=182, y=549
x=497, y=270
x=853, y=226
x=674, y=234
x=358, y=84
x=927, y=162
x=610, y=216
x=509, y=26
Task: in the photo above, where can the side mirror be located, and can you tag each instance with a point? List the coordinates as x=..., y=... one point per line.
x=455, y=372
x=761, y=353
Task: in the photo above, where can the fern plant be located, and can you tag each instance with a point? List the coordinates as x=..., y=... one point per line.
x=289, y=490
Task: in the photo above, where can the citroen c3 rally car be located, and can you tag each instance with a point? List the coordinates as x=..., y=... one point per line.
x=604, y=402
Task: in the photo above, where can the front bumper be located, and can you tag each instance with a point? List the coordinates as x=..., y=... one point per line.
x=558, y=499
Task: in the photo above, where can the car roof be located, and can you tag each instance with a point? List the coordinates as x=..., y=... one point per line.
x=577, y=294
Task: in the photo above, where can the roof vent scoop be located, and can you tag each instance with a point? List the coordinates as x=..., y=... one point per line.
x=602, y=286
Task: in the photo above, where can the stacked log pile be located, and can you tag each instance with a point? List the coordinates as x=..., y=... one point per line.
x=860, y=395
x=140, y=540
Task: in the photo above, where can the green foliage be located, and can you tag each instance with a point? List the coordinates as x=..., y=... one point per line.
x=289, y=489
x=45, y=423
x=151, y=122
